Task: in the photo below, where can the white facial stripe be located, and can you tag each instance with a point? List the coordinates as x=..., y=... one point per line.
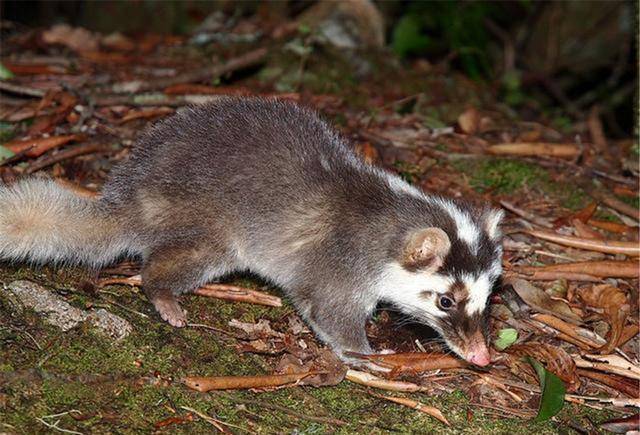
x=399, y=185
x=402, y=287
x=479, y=289
x=492, y=224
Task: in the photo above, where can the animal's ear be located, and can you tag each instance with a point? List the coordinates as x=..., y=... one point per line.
x=491, y=223
x=426, y=249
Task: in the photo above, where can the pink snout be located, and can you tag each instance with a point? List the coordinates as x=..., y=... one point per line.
x=479, y=355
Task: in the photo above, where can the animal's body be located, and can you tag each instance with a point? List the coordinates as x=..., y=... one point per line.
x=266, y=186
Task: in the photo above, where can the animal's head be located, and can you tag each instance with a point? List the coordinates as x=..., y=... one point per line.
x=445, y=274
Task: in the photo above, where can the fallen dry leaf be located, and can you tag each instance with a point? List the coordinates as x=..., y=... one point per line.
x=541, y=301
x=77, y=39
x=469, y=120
x=554, y=358
x=253, y=331
x=615, y=308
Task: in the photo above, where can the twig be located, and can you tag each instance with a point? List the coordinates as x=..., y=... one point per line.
x=219, y=291
x=69, y=153
x=536, y=149
x=620, y=206
x=606, y=246
x=206, y=73
x=238, y=294
x=212, y=421
x=526, y=215
x=601, y=269
x=615, y=401
x=364, y=378
x=21, y=90
x=430, y=410
x=566, y=328
x=204, y=384
x=292, y=413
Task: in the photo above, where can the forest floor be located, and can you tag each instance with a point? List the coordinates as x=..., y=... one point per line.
x=73, y=113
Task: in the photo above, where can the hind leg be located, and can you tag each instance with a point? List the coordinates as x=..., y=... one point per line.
x=172, y=270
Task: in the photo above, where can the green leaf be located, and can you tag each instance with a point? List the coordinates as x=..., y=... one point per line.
x=506, y=337
x=5, y=73
x=408, y=37
x=5, y=153
x=553, y=391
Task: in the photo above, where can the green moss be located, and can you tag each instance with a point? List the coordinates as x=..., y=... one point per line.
x=501, y=175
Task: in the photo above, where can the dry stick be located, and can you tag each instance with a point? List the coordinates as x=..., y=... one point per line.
x=206, y=73
x=602, y=269
x=364, y=378
x=565, y=328
x=536, y=149
x=416, y=362
x=615, y=401
x=238, y=294
x=547, y=330
x=552, y=276
x=204, y=384
x=430, y=410
x=21, y=90
x=219, y=291
x=526, y=215
x=613, y=227
x=67, y=154
x=318, y=419
x=606, y=246
x=620, y=206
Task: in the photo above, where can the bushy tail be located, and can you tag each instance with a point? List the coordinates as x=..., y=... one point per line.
x=40, y=221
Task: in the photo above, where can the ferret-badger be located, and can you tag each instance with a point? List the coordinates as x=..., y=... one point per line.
x=267, y=186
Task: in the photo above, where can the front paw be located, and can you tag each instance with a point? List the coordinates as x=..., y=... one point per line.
x=171, y=312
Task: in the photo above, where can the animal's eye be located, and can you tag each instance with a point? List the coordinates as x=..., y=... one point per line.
x=445, y=302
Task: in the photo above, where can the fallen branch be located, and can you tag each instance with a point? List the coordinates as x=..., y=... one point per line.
x=601, y=269
x=204, y=384
x=569, y=151
x=218, y=291
x=605, y=246
x=430, y=410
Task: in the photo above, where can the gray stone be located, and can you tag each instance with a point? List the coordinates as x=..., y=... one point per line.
x=61, y=314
